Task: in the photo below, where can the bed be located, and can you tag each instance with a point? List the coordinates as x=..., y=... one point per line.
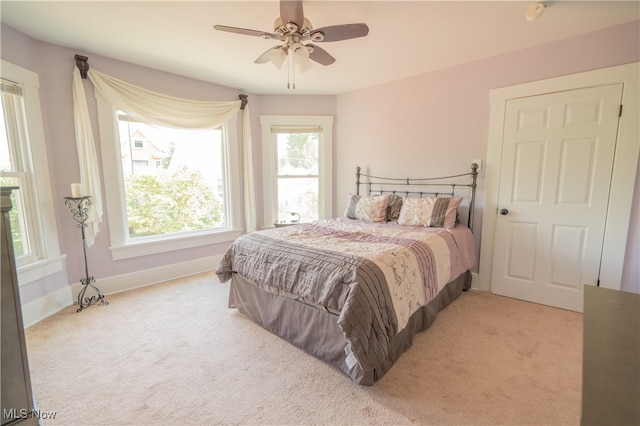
x=354, y=290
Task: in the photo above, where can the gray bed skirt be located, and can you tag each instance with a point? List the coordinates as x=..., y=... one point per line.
x=316, y=331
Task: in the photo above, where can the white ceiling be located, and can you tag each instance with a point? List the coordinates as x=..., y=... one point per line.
x=406, y=38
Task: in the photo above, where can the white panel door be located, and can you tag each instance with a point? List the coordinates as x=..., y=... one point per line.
x=555, y=174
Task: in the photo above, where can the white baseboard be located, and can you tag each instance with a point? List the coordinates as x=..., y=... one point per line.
x=475, y=283
x=48, y=305
x=124, y=282
x=39, y=309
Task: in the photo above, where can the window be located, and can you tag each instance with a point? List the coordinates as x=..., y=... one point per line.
x=169, y=189
x=139, y=165
x=180, y=195
x=14, y=164
x=297, y=167
x=297, y=176
x=22, y=152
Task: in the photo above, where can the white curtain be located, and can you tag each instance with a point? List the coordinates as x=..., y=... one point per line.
x=249, y=196
x=152, y=108
x=157, y=108
x=89, y=171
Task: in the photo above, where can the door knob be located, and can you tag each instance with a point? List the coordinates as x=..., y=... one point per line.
x=504, y=212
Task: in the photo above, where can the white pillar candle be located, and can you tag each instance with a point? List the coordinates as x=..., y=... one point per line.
x=76, y=190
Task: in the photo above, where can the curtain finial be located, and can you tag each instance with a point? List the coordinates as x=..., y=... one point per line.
x=243, y=100
x=82, y=64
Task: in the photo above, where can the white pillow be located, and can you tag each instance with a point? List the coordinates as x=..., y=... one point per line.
x=373, y=208
x=429, y=211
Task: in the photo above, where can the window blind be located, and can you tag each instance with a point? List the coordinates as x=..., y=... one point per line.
x=310, y=129
x=7, y=86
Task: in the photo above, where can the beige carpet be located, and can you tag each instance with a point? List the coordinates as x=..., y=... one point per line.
x=174, y=354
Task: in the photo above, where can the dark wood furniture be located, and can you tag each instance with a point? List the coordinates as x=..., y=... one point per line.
x=611, y=357
x=18, y=406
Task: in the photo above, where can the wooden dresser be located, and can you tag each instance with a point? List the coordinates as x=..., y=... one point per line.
x=611, y=357
x=18, y=406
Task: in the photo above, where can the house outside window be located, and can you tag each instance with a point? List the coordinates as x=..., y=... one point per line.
x=297, y=168
x=22, y=153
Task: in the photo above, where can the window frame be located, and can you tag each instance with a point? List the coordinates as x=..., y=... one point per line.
x=270, y=161
x=121, y=246
x=47, y=259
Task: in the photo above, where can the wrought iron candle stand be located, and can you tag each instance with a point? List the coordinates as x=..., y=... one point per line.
x=79, y=207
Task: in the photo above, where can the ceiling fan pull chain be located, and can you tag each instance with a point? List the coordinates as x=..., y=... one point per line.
x=288, y=72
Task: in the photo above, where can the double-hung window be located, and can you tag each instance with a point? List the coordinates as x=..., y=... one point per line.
x=297, y=168
x=22, y=153
x=166, y=188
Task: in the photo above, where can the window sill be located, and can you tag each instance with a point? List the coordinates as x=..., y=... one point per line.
x=40, y=269
x=145, y=248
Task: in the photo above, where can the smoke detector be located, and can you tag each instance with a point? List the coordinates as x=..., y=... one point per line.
x=534, y=11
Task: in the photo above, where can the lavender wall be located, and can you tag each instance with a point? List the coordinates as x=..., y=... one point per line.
x=404, y=128
x=437, y=123
x=54, y=64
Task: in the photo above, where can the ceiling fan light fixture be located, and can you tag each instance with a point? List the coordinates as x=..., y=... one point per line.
x=305, y=66
x=300, y=53
x=278, y=57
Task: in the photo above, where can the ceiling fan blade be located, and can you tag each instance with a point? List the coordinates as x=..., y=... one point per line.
x=244, y=31
x=339, y=32
x=320, y=55
x=292, y=11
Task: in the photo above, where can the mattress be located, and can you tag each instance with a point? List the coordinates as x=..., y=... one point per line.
x=355, y=286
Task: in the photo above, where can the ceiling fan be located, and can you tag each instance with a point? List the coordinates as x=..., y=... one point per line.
x=297, y=34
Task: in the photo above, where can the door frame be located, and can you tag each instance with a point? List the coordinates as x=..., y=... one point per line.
x=624, y=167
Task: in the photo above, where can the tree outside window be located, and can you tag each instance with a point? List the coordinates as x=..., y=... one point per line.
x=298, y=176
x=297, y=167
x=173, y=180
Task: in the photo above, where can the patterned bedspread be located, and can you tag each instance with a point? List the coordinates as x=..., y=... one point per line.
x=372, y=276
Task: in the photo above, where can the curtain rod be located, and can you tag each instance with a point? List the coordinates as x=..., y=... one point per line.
x=82, y=64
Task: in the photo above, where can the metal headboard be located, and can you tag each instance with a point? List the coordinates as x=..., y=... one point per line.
x=441, y=186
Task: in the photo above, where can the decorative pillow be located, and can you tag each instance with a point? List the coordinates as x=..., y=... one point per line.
x=373, y=208
x=350, y=212
x=395, y=204
x=429, y=211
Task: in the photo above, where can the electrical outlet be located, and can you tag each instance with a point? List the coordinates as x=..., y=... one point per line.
x=479, y=163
